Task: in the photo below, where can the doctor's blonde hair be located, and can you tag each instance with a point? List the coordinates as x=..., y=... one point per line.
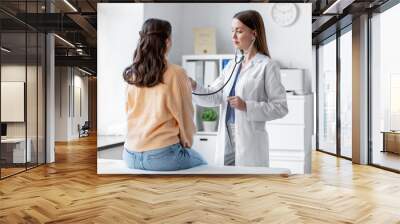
x=254, y=21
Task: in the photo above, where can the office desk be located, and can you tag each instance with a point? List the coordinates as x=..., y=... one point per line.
x=391, y=141
x=13, y=150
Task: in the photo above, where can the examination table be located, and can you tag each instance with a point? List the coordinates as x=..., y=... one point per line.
x=114, y=166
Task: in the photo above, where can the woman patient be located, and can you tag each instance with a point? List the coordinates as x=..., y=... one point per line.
x=158, y=106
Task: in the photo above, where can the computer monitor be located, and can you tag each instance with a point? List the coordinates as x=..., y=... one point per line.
x=3, y=129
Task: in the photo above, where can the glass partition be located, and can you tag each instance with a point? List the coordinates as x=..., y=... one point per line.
x=22, y=64
x=13, y=103
x=385, y=89
x=327, y=97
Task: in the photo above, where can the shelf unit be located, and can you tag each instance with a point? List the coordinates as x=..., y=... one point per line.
x=204, y=69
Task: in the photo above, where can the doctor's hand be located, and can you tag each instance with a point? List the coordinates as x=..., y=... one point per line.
x=237, y=103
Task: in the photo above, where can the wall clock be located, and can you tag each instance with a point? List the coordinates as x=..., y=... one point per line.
x=284, y=14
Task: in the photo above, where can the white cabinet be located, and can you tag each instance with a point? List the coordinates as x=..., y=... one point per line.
x=206, y=145
x=291, y=136
x=279, y=136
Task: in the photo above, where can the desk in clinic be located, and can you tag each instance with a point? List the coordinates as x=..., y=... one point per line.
x=13, y=150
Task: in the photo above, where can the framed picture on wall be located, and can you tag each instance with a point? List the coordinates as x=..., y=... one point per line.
x=12, y=101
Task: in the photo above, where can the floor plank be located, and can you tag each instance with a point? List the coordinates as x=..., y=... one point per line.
x=70, y=191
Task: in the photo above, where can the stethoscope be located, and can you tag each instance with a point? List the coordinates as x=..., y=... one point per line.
x=238, y=60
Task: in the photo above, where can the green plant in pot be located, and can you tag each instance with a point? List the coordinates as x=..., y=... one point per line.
x=209, y=117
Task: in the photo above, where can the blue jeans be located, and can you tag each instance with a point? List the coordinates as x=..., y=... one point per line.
x=173, y=157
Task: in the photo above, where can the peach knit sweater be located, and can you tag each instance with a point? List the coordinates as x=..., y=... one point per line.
x=161, y=115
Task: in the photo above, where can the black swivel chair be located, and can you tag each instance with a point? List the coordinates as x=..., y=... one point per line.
x=84, y=130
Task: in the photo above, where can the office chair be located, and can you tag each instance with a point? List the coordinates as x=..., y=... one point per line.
x=84, y=130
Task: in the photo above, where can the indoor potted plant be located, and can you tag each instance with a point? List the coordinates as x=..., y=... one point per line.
x=209, y=117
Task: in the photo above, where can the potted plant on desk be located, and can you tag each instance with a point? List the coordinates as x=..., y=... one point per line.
x=209, y=117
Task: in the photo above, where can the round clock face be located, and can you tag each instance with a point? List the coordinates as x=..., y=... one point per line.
x=284, y=14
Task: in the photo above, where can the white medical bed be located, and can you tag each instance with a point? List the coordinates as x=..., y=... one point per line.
x=113, y=166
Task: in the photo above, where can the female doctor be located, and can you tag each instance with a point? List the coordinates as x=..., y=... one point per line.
x=252, y=96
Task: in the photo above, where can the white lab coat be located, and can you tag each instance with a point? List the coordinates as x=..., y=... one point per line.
x=259, y=85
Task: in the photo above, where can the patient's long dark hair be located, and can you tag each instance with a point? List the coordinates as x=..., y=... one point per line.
x=149, y=63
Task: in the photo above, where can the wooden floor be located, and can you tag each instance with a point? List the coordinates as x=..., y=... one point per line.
x=70, y=191
x=10, y=171
x=387, y=159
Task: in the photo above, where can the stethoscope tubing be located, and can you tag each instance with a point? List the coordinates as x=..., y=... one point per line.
x=230, y=76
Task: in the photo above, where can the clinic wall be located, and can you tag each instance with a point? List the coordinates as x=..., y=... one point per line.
x=173, y=14
x=117, y=29
x=214, y=18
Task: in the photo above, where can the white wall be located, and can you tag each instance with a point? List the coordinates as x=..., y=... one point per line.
x=61, y=103
x=208, y=15
x=173, y=14
x=117, y=28
x=119, y=24
x=66, y=121
x=80, y=117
